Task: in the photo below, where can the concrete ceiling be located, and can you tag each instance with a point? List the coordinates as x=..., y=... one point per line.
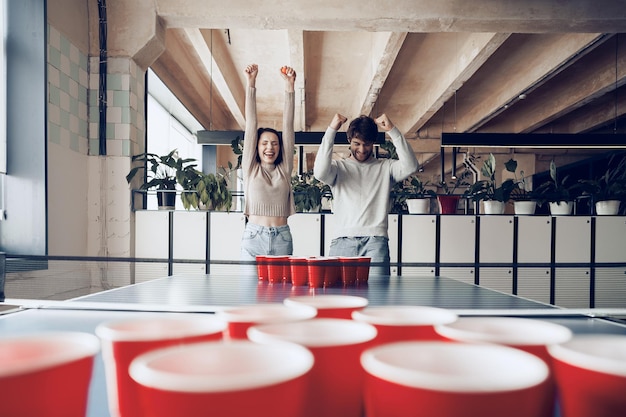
x=450, y=65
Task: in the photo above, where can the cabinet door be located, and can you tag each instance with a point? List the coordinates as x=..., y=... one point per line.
x=610, y=287
x=458, y=237
x=571, y=287
x=226, y=230
x=393, y=233
x=499, y=279
x=459, y=273
x=419, y=234
x=152, y=234
x=496, y=239
x=610, y=239
x=306, y=231
x=190, y=234
x=573, y=239
x=534, y=239
x=534, y=284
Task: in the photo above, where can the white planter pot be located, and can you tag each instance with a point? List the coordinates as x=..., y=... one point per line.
x=561, y=208
x=418, y=205
x=607, y=208
x=493, y=207
x=525, y=207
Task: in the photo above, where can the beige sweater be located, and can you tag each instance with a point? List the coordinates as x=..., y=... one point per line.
x=267, y=190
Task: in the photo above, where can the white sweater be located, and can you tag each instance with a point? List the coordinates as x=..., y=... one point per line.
x=361, y=190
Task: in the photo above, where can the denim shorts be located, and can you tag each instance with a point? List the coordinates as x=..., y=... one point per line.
x=261, y=240
x=376, y=247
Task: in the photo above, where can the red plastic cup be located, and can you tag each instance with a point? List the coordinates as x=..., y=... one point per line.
x=349, y=266
x=333, y=271
x=235, y=379
x=46, y=374
x=277, y=267
x=317, y=271
x=124, y=340
x=363, y=270
x=442, y=379
x=330, y=305
x=336, y=385
x=261, y=266
x=591, y=375
x=400, y=323
x=299, y=270
x=531, y=335
x=241, y=318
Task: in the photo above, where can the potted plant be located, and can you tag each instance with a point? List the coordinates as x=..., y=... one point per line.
x=308, y=192
x=558, y=193
x=162, y=174
x=205, y=191
x=488, y=191
x=522, y=196
x=415, y=195
x=609, y=190
x=447, y=199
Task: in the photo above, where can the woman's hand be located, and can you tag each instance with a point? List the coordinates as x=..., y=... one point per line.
x=251, y=72
x=289, y=75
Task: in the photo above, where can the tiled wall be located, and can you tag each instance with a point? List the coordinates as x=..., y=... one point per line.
x=73, y=108
x=68, y=93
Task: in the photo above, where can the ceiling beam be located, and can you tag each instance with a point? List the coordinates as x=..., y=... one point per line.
x=467, y=55
x=534, y=61
x=382, y=64
x=218, y=80
x=592, y=77
x=419, y=16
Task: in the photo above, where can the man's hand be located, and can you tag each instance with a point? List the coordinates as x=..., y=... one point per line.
x=337, y=121
x=384, y=123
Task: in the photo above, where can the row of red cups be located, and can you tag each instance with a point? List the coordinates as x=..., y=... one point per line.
x=344, y=355
x=314, y=271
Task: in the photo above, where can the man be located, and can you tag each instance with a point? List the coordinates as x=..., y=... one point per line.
x=361, y=186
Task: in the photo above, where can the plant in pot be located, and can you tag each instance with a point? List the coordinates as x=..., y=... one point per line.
x=161, y=174
x=308, y=192
x=416, y=195
x=609, y=190
x=560, y=194
x=447, y=199
x=523, y=198
x=487, y=190
x=205, y=191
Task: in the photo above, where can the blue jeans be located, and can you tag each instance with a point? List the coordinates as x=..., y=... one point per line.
x=261, y=240
x=375, y=247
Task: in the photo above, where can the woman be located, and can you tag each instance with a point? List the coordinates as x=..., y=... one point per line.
x=267, y=164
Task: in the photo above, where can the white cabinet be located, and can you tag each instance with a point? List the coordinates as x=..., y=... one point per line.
x=496, y=278
x=393, y=232
x=419, y=243
x=572, y=239
x=306, y=230
x=458, y=236
x=496, y=239
x=534, y=239
x=459, y=273
x=225, y=231
x=189, y=241
x=610, y=287
x=610, y=239
x=572, y=287
x=534, y=284
x=152, y=239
